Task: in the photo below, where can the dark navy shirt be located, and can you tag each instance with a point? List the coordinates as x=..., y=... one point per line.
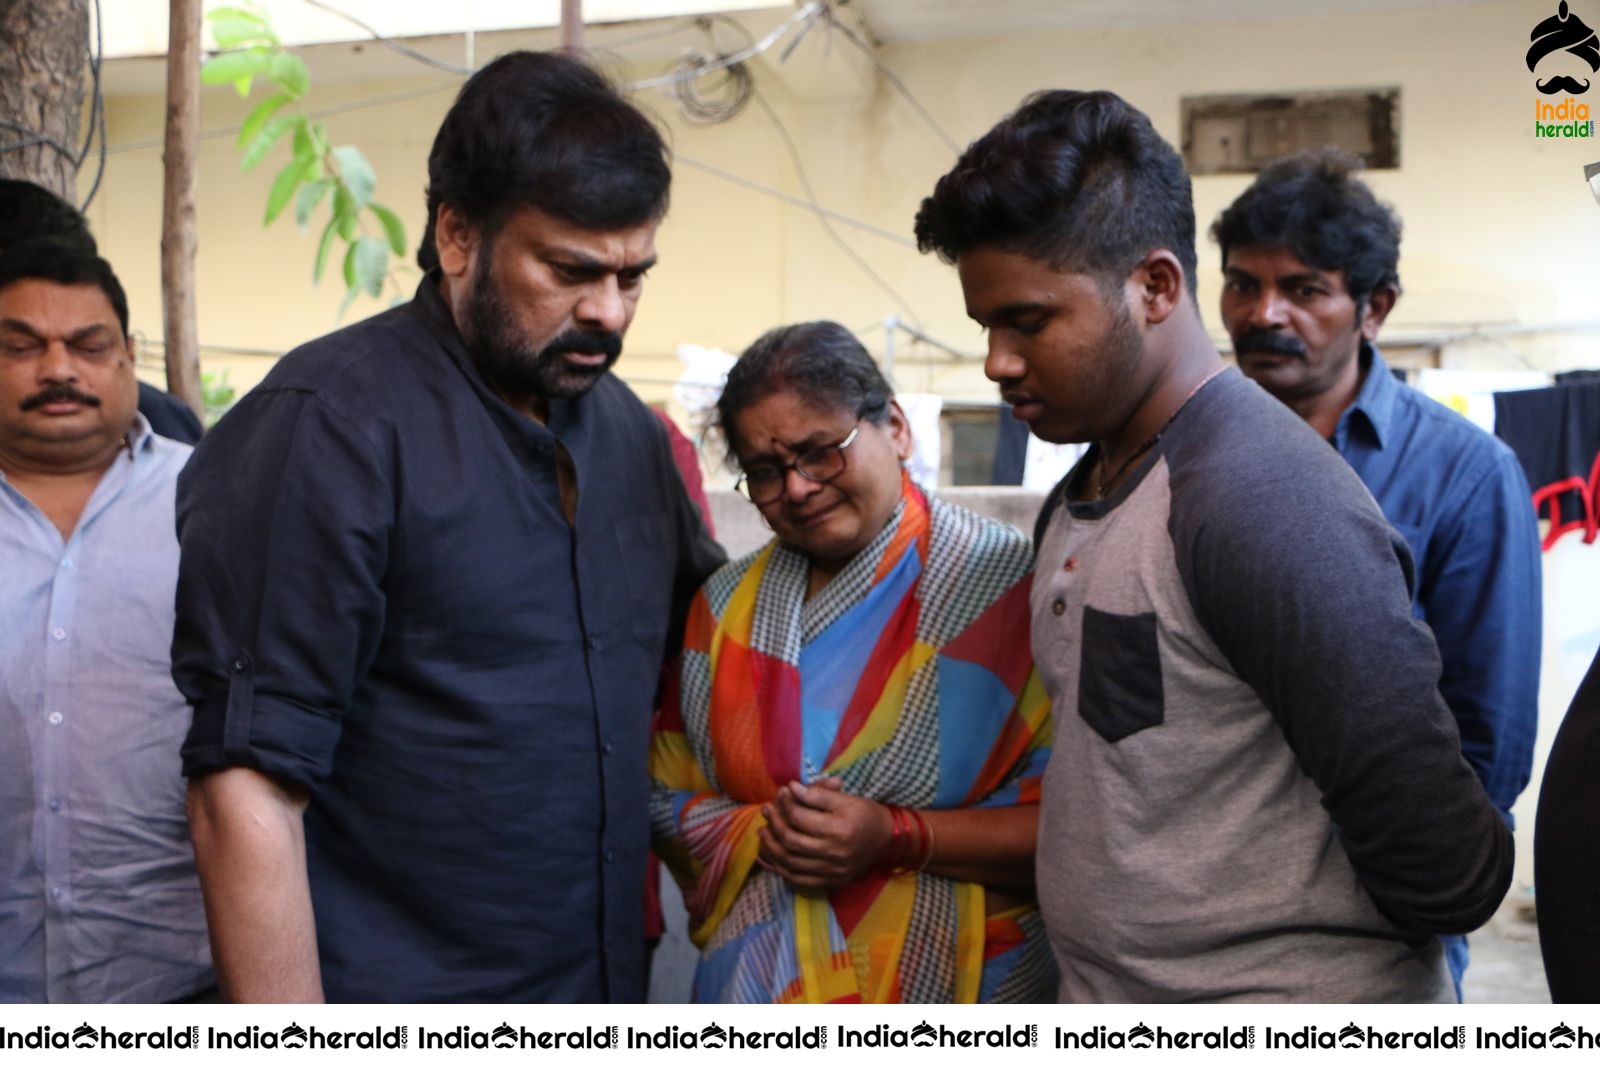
x=168, y=416
x=381, y=599
x=1458, y=496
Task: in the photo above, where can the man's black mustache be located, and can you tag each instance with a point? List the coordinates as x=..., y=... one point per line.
x=1269, y=342
x=1561, y=83
x=588, y=342
x=57, y=394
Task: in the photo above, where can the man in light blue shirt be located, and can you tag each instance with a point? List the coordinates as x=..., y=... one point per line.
x=98, y=896
x=1310, y=272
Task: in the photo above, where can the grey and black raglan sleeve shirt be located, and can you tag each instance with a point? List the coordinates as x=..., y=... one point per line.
x=1256, y=792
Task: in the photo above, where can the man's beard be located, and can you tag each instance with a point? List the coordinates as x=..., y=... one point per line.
x=513, y=366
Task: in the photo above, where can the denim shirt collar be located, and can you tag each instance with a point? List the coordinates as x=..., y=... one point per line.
x=1375, y=401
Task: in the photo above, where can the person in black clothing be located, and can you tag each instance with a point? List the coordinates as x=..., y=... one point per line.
x=431, y=569
x=1566, y=851
x=29, y=211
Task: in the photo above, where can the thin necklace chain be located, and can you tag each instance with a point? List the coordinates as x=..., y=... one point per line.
x=1150, y=442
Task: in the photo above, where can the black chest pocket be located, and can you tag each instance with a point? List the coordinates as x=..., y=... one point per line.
x=1119, y=680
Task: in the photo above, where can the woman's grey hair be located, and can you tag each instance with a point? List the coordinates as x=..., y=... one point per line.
x=821, y=362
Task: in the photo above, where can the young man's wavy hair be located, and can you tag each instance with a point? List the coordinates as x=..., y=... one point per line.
x=1313, y=204
x=1078, y=180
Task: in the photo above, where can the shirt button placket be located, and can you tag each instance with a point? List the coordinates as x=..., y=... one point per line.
x=54, y=767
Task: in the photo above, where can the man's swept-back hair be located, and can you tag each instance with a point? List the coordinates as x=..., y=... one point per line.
x=28, y=211
x=64, y=261
x=1078, y=180
x=1313, y=204
x=544, y=130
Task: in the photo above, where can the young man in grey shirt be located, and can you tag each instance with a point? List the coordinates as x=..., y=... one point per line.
x=1257, y=792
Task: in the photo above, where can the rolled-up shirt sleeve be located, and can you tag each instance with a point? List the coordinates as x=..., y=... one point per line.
x=284, y=520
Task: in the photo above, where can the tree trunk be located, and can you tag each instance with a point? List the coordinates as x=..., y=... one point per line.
x=178, y=241
x=43, y=54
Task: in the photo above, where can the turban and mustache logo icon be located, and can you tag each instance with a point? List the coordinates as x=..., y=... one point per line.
x=1566, y=32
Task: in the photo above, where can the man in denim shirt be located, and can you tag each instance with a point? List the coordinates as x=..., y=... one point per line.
x=98, y=896
x=1309, y=259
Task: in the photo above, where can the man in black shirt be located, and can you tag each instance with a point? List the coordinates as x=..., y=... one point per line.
x=429, y=571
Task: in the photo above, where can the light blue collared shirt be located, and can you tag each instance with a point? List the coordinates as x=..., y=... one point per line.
x=98, y=896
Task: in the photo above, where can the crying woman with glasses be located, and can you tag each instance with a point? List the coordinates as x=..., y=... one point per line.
x=847, y=770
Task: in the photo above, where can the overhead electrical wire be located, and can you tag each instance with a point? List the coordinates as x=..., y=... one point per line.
x=32, y=138
x=795, y=201
x=96, y=125
x=894, y=80
x=464, y=71
x=805, y=17
x=390, y=43
x=811, y=196
x=726, y=99
x=320, y=113
x=97, y=113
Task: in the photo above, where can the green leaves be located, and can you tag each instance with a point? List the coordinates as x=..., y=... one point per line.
x=251, y=48
x=248, y=16
x=258, y=118
x=271, y=130
x=318, y=171
x=393, y=228
x=306, y=203
x=287, y=181
x=309, y=137
x=372, y=264
x=217, y=395
x=289, y=71
x=324, y=244
x=345, y=213
x=238, y=30
x=355, y=174
x=239, y=68
x=366, y=267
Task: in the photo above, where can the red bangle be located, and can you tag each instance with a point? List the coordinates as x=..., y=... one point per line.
x=894, y=851
x=910, y=845
x=926, y=842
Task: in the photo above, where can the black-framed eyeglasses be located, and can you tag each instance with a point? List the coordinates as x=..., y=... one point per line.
x=765, y=483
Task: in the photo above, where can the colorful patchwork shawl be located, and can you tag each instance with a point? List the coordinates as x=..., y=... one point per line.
x=909, y=677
